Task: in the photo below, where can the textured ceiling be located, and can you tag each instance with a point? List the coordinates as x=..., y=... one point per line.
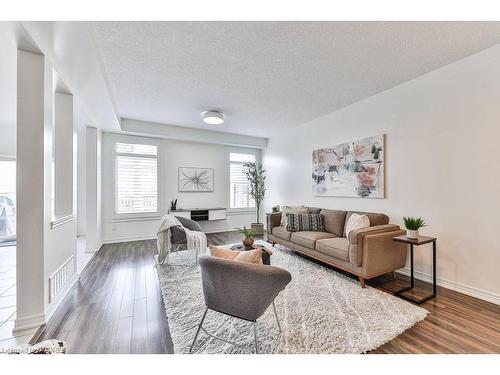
x=268, y=76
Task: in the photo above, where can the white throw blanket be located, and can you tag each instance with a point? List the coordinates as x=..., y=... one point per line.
x=195, y=240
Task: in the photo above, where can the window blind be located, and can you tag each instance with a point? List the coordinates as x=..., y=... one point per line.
x=238, y=184
x=136, y=178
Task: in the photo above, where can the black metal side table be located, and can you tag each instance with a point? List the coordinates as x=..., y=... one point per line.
x=421, y=240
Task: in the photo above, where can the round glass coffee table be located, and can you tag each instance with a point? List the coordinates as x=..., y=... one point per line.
x=266, y=253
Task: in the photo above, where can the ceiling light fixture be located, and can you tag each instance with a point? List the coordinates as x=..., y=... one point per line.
x=213, y=117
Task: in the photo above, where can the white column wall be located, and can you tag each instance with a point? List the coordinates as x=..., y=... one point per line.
x=30, y=190
x=93, y=189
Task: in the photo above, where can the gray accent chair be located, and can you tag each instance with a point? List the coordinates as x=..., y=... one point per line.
x=241, y=290
x=178, y=234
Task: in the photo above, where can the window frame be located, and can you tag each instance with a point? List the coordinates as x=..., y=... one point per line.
x=230, y=150
x=136, y=216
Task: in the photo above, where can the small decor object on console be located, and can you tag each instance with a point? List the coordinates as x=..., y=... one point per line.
x=276, y=208
x=354, y=169
x=248, y=240
x=196, y=179
x=173, y=205
x=413, y=224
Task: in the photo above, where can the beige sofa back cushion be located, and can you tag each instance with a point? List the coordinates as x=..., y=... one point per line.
x=375, y=219
x=334, y=221
x=314, y=210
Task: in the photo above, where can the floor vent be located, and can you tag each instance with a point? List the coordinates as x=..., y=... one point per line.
x=60, y=278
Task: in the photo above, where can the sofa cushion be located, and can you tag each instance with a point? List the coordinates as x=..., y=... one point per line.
x=337, y=247
x=282, y=233
x=334, y=221
x=314, y=210
x=308, y=239
x=375, y=218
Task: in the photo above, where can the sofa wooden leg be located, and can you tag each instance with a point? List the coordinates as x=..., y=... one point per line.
x=362, y=281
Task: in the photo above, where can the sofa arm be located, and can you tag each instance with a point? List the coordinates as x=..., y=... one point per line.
x=273, y=220
x=382, y=254
x=356, y=238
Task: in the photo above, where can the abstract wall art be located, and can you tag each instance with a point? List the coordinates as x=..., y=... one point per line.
x=196, y=179
x=354, y=169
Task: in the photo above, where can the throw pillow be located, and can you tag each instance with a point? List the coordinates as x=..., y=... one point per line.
x=355, y=222
x=304, y=222
x=222, y=252
x=292, y=209
x=250, y=256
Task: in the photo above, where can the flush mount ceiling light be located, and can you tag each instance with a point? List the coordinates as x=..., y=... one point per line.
x=213, y=117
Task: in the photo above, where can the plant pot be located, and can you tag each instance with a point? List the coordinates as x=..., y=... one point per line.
x=258, y=228
x=413, y=234
x=248, y=242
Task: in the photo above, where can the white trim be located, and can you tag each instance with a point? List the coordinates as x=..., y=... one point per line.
x=453, y=285
x=56, y=222
x=128, y=239
x=94, y=249
x=28, y=323
x=138, y=218
x=150, y=237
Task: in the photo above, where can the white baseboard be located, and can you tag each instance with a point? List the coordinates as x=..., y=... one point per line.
x=128, y=239
x=457, y=287
x=28, y=323
x=95, y=248
x=143, y=238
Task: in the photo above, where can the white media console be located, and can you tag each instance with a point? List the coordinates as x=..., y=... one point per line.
x=202, y=214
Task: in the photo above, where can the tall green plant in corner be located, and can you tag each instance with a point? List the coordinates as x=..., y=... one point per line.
x=256, y=176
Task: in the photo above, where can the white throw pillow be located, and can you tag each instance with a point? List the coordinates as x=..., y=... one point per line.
x=356, y=222
x=292, y=210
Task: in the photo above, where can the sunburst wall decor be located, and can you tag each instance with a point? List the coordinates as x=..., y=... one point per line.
x=196, y=179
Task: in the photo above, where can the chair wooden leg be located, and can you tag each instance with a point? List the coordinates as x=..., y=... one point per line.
x=362, y=281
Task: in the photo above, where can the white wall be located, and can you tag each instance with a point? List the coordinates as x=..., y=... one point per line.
x=441, y=149
x=172, y=154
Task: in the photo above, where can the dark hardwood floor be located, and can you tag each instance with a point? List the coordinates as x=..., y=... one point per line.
x=116, y=307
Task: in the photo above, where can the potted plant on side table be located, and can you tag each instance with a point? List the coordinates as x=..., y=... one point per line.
x=248, y=237
x=256, y=176
x=413, y=224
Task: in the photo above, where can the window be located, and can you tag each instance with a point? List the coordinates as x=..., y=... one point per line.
x=239, y=189
x=136, y=189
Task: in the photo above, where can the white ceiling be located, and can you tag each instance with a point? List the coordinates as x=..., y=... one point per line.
x=268, y=76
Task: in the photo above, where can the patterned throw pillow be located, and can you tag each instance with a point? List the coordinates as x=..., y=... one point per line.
x=292, y=210
x=304, y=222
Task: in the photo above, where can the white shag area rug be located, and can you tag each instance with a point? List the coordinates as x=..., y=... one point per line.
x=320, y=311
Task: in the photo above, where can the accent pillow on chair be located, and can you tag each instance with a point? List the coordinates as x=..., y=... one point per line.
x=356, y=222
x=248, y=256
x=304, y=222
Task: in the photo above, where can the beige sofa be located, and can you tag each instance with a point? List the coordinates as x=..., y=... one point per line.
x=367, y=253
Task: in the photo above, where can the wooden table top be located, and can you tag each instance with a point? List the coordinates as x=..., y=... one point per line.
x=421, y=240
